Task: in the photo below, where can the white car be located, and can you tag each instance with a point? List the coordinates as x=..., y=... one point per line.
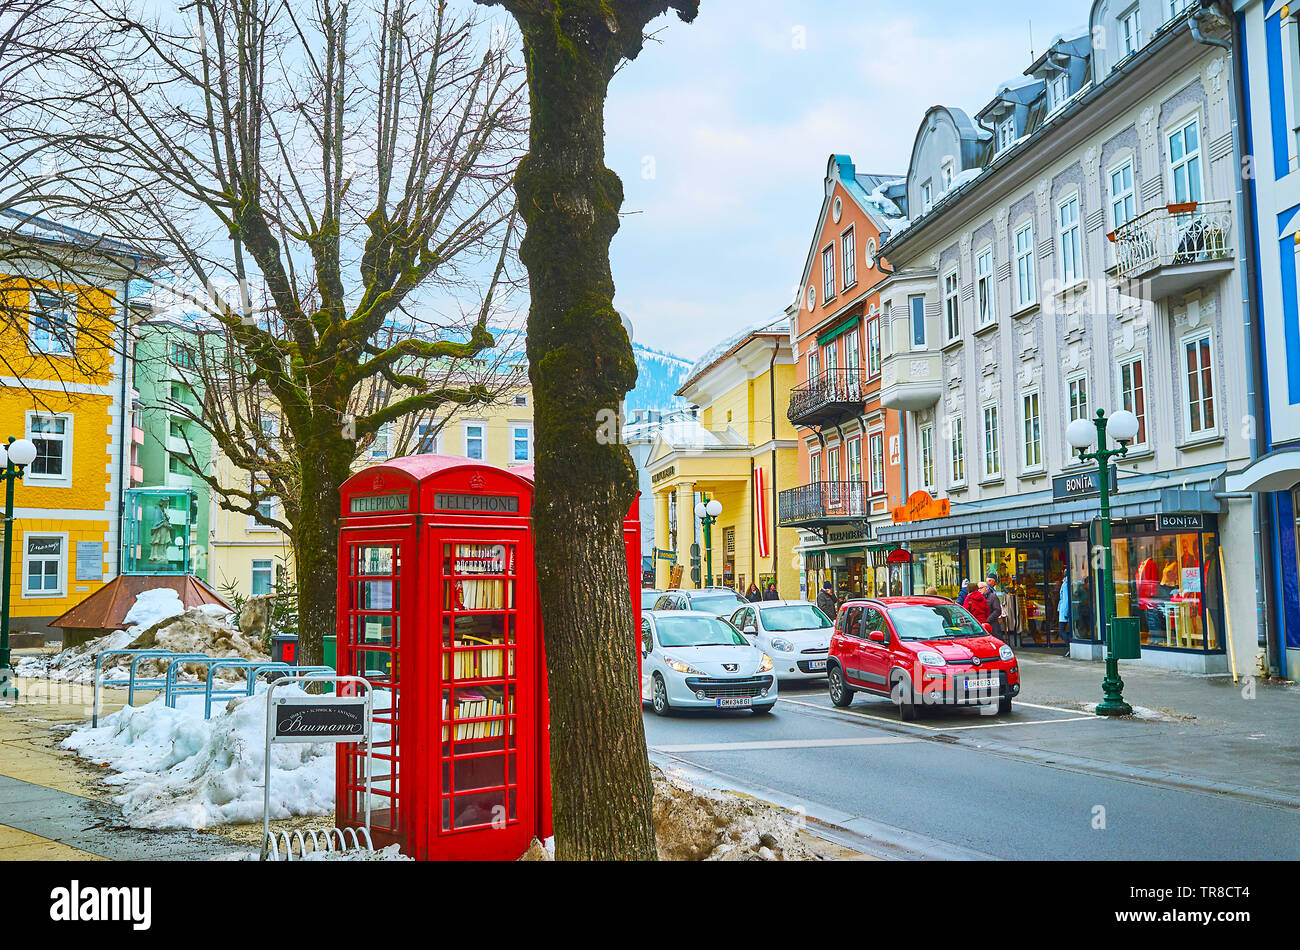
x=693, y=660
x=794, y=633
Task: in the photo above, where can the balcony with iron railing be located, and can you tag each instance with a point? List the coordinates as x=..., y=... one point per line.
x=822, y=502
x=1175, y=247
x=834, y=394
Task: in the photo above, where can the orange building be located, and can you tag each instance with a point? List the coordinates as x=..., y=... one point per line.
x=849, y=454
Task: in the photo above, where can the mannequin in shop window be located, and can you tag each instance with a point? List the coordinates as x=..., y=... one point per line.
x=1010, y=597
x=1150, y=597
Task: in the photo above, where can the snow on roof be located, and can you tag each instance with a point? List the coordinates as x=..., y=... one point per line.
x=780, y=324
x=688, y=433
x=43, y=229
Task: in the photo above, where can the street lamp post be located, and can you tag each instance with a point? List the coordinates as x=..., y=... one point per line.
x=1083, y=434
x=707, y=511
x=14, y=457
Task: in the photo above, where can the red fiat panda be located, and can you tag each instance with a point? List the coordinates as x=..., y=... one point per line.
x=918, y=651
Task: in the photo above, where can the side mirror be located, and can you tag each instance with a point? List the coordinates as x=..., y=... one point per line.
x=988, y=627
x=877, y=635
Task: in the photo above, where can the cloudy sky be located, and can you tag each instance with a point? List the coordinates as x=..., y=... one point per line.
x=721, y=135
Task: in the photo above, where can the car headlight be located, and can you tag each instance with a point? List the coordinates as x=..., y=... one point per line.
x=1006, y=653
x=784, y=646
x=930, y=658
x=765, y=664
x=681, y=667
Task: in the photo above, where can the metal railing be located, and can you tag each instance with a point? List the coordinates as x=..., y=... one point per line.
x=1187, y=233
x=823, y=501
x=837, y=386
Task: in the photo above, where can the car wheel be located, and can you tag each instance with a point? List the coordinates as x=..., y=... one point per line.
x=841, y=693
x=908, y=709
x=763, y=710
x=1004, y=706
x=659, y=697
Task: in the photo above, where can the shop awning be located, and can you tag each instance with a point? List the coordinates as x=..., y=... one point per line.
x=1194, y=495
x=1278, y=470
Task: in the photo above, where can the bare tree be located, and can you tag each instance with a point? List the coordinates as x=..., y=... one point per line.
x=582, y=365
x=326, y=185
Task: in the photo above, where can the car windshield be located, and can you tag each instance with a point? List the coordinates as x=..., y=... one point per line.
x=648, y=598
x=698, y=632
x=933, y=622
x=794, y=617
x=719, y=603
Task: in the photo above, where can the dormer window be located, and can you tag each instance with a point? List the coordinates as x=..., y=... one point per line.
x=1130, y=36
x=1058, y=90
x=946, y=175
x=1178, y=6
x=1006, y=132
x=927, y=195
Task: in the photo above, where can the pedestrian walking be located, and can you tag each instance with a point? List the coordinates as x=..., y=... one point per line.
x=753, y=595
x=995, y=606
x=826, y=601
x=770, y=593
x=977, y=605
x=1063, y=614
x=964, y=592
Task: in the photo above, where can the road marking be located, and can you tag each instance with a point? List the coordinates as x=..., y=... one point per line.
x=917, y=725
x=781, y=744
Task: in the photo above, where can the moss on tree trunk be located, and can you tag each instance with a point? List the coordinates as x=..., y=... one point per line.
x=325, y=466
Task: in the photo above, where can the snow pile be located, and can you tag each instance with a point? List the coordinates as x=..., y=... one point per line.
x=157, y=620
x=177, y=770
x=1143, y=714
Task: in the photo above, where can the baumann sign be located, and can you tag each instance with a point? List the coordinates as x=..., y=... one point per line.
x=1080, y=485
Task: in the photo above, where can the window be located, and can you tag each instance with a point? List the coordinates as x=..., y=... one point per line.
x=521, y=442
x=1026, y=291
x=848, y=255
x=876, y=450
x=828, y=273
x=833, y=464
x=916, y=305
x=428, y=438
x=52, y=436
x=52, y=329
x=852, y=357
x=1178, y=6
x=873, y=346
x=946, y=175
x=379, y=447
x=984, y=287
x=1077, y=397
x=927, y=196
x=263, y=573
x=992, y=448
x=179, y=463
x=521, y=400
x=473, y=441
x=814, y=362
x=1185, y=162
x=958, y=452
x=1006, y=132
x=44, y=564
x=1123, y=201
x=830, y=357
x=815, y=468
x=1199, y=375
x=1033, y=436
x=926, y=438
x=182, y=355
x=1058, y=90
x=265, y=507
x=1130, y=35
x=1070, y=240
x=1132, y=388
x=855, y=460
x=952, y=306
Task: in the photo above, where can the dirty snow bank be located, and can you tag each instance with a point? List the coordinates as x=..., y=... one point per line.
x=177, y=770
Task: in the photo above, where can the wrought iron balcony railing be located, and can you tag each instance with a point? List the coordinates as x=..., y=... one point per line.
x=1188, y=233
x=835, y=392
x=823, y=501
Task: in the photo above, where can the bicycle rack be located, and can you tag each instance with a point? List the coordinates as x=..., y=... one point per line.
x=323, y=839
x=131, y=681
x=254, y=668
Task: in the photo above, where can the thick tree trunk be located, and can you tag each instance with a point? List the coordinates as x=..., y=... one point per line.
x=581, y=366
x=325, y=460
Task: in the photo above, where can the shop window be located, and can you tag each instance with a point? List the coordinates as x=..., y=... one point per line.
x=44, y=564
x=1161, y=579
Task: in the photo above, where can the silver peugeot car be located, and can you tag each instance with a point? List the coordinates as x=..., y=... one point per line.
x=694, y=660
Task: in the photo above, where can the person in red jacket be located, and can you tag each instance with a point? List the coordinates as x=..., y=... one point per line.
x=977, y=604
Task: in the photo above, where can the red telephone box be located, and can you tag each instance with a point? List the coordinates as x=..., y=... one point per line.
x=437, y=607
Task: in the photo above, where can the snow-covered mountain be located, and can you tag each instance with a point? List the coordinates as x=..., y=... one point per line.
x=659, y=374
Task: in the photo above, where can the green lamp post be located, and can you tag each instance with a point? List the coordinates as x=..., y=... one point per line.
x=707, y=511
x=1083, y=434
x=14, y=457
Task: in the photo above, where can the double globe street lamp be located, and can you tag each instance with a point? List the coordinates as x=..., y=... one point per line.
x=707, y=512
x=14, y=457
x=1083, y=434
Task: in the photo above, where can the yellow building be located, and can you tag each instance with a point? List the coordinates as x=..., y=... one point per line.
x=63, y=373
x=246, y=556
x=741, y=451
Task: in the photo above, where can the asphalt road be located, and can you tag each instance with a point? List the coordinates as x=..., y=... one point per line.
x=959, y=785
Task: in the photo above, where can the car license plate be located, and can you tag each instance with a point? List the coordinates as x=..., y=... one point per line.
x=816, y=664
x=727, y=702
x=982, y=683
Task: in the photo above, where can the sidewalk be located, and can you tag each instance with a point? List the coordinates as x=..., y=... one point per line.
x=1211, y=733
